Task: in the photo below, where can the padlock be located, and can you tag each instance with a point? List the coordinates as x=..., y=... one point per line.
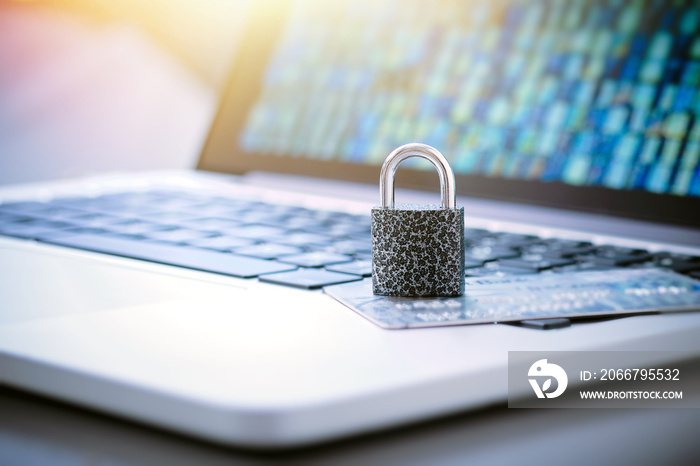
x=417, y=250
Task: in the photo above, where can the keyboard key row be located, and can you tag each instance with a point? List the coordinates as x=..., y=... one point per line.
x=226, y=264
x=309, y=278
x=284, y=239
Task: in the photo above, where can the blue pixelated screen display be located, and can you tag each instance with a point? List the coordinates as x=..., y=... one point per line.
x=588, y=93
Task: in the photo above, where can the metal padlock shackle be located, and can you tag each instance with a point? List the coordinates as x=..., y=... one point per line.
x=424, y=151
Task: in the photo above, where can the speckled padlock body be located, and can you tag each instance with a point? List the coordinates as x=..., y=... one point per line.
x=418, y=250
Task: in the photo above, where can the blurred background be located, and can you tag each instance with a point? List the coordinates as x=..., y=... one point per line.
x=90, y=86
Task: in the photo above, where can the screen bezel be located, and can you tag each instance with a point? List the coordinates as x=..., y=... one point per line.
x=222, y=154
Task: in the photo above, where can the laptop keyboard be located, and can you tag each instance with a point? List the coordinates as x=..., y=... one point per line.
x=284, y=245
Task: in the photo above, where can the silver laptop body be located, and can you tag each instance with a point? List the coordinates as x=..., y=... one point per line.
x=243, y=362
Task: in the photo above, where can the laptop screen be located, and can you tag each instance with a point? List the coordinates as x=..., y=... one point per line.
x=589, y=105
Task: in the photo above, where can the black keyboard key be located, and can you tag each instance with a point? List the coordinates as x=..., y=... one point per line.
x=309, y=278
x=350, y=247
x=685, y=267
x=316, y=259
x=229, y=210
x=126, y=210
x=33, y=229
x=97, y=220
x=585, y=266
x=323, y=215
x=558, y=248
x=535, y=262
x=276, y=209
x=136, y=197
x=257, y=232
x=681, y=263
x=339, y=228
x=348, y=229
x=56, y=212
x=505, y=240
x=488, y=253
x=70, y=232
x=220, y=243
x=23, y=207
x=12, y=218
x=136, y=227
x=171, y=218
x=301, y=239
x=268, y=251
x=199, y=259
x=474, y=233
x=615, y=256
x=496, y=269
x=302, y=223
x=209, y=224
x=176, y=236
x=261, y=218
x=80, y=203
x=361, y=268
x=366, y=237
x=131, y=237
x=470, y=264
x=619, y=250
x=363, y=257
x=142, y=204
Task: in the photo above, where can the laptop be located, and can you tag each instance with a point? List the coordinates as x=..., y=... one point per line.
x=202, y=301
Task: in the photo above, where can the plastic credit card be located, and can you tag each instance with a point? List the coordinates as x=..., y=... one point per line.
x=526, y=297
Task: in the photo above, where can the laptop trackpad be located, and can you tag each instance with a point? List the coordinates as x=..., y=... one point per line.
x=37, y=285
